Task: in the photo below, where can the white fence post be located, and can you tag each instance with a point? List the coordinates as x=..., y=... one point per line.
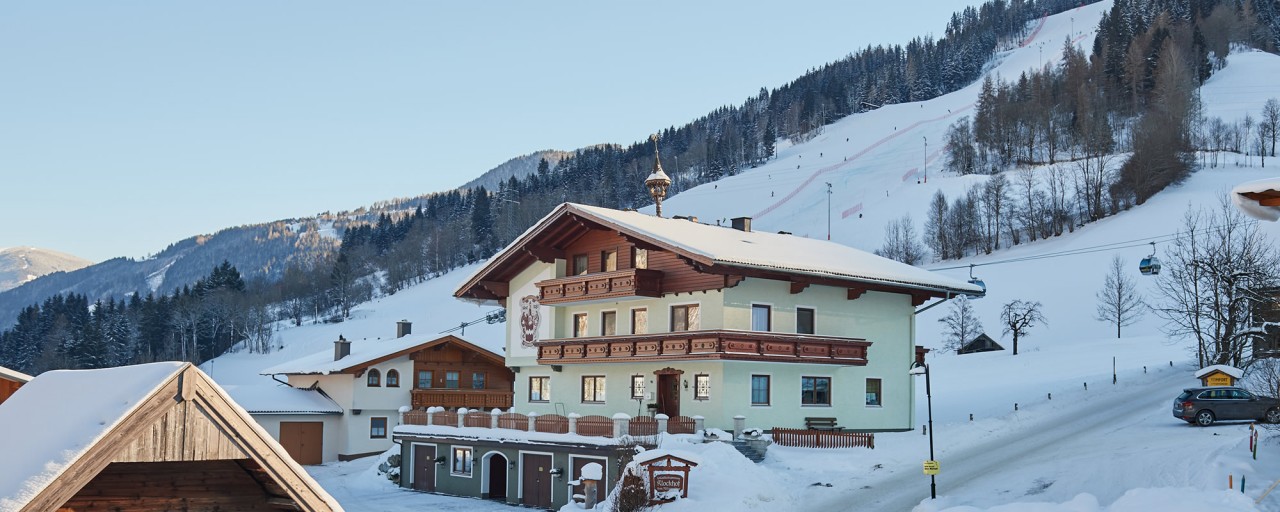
x=621, y=422
x=431, y=411
x=533, y=420
x=493, y=417
x=739, y=425
x=462, y=417
x=662, y=422
x=573, y=422
x=699, y=424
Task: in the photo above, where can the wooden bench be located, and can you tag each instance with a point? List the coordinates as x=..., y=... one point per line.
x=827, y=424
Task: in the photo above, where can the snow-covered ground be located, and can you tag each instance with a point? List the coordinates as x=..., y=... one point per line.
x=1108, y=448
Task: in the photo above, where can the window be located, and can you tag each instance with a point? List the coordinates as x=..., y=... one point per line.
x=815, y=390
x=639, y=258
x=374, y=379
x=639, y=321
x=461, y=461
x=579, y=324
x=477, y=380
x=637, y=387
x=760, y=317
x=579, y=265
x=873, y=392
x=424, y=379
x=684, y=318
x=701, y=387
x=609, y=260
x=451, y=380
x=539, y=389
x=377, y=428
x=759, y=390
x=393, y=379
x=593, y=389
x=608, y=323
x=804, y=321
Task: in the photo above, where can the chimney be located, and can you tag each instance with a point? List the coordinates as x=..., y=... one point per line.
x=742, y=223
x=341, y=348
x=404, y=328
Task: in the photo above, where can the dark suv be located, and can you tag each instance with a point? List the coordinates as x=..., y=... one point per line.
x=1203, y=406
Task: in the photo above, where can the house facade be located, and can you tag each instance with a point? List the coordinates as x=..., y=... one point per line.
x=616, y=311
x=370, y=380
x=10, y=381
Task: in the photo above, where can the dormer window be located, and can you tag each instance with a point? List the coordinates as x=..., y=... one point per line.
x=579, y=267
x=374, y=379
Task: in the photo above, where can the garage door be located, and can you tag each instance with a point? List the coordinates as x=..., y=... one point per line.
x=304, y=440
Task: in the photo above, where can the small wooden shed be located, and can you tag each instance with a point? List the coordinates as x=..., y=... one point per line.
x=1219, y=375
x=10, y=381
x=982, y=343
x=152, y=437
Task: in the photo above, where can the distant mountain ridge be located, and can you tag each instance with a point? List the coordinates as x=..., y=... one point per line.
x=519, y=167
x=18, y=265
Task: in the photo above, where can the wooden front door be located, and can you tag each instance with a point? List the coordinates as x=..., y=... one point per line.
x=497, y=477
x=304, y=440
x=669, y=394
x=424, y=467
x=536, y=479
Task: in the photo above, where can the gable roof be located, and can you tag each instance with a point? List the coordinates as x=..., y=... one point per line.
x=365, y=353
x=91, y=418
x=282, y=399
x=714, y=249
x=1259, y=199
x=14, y=375
x=1234, y=372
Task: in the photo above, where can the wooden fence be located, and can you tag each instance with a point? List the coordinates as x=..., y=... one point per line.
x=592, y=426
x=513, y=421
x=551, y=423
x=643, y=426
x=822, y=439
x=681, y=425
x=595, y=426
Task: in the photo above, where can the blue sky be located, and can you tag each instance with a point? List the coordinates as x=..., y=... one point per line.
x=129, y=125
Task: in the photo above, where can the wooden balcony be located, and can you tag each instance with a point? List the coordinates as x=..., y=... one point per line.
x=469, y=398
x=631, y=282
x=706, y=345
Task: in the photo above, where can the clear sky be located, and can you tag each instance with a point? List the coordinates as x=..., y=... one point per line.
x=129, y=125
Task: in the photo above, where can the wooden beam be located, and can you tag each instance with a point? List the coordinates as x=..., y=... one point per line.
x=919, y=298
x=797, y=287
x=854, y=293
x=498, y=288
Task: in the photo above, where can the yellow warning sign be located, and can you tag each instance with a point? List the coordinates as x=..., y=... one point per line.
x=931, y=467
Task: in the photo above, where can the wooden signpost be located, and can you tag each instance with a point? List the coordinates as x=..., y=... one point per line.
x=667, y=476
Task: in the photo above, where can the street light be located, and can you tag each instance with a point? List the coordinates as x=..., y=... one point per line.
x=917, y=369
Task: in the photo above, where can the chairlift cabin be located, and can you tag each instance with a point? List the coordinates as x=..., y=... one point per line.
x=1150, y=265
x=977, y=282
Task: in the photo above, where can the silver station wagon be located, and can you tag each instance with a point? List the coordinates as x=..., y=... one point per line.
x=1203, y=406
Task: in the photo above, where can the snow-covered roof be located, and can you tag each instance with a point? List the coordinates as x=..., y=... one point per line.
x=1248, y=197
x=771, y=251
x=14, y=375
x=659, y=453
x=1229, y=370
x=364, y=353
x=281, y=399
x=60, y=415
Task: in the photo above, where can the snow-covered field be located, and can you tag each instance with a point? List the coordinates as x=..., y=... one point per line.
x=1108, y=448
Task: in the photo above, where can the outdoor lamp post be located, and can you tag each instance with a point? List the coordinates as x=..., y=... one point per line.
x=657, y=182
x=917, y=369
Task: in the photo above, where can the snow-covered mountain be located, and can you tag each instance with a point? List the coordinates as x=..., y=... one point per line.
x=19, y=265
x=1044, y=430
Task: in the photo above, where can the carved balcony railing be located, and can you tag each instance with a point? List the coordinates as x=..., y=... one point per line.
x=469, y=398
x=706, y=345
x=631, y=282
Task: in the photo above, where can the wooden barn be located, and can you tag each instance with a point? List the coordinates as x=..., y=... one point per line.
x=982, y=343
x=151, y=437
x=10, y=381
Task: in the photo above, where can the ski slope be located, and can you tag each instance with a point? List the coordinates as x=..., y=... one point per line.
x=1106, y=448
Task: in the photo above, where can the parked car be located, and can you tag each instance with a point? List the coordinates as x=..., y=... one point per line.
x=1203, y=406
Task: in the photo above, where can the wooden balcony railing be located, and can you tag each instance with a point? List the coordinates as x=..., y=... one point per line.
x=704, y=345
x=631, y=282
x=469, y=398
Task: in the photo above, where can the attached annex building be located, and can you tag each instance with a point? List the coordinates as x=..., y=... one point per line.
x=618, y=311
x=10, y=381
x=370, y=380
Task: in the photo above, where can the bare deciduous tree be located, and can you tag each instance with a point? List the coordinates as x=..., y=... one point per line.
x=1018, y=317
x=961, y=325
x=1219, y=270
x=1119, y=303
x=901, y=243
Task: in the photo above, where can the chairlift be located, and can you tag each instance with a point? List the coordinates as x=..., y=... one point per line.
x=1150, y=265
x=977, y=282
